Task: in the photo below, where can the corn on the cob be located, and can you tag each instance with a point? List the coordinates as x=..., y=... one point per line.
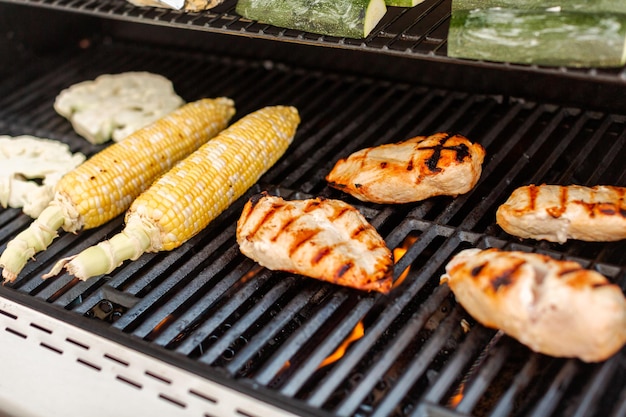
x=193, y=193
x=106, y=184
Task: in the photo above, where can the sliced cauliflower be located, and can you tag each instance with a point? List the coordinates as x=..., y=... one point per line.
x=29, y=169
x=187, y=5
x=115, y=105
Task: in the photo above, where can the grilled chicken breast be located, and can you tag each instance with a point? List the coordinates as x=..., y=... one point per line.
x=413, y=170
x=554, y=307
x=557, y=213
x=320, y=238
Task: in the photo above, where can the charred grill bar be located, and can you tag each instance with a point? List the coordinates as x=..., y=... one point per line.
x=206, y=310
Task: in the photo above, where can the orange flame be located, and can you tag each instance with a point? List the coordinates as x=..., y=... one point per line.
x=359, y=329
x=156, y=330
x=356, y=334
x=456, y=399
x=251, y=273
x=164, y=322
x=399, y=253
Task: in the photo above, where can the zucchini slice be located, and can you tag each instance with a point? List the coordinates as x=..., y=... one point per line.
x=542, y=37
x=616, y=6
x=341, y=18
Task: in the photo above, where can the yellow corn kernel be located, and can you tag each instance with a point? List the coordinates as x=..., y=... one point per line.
x=193, y=193
x=106, y=184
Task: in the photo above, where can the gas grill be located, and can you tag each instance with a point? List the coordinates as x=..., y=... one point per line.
x=203, y=330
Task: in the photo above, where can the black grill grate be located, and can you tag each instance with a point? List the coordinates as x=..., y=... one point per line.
x=208, y=308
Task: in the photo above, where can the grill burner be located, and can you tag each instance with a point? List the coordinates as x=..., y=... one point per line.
x=208, y=309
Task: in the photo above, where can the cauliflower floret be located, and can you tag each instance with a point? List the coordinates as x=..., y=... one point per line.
x=29, y=169
x=115, y=105
x=187, y=5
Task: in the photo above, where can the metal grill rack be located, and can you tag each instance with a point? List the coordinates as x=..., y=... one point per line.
x=413, y=39
x=207, y=310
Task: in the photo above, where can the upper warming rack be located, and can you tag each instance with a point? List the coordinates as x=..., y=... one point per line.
x=418, y=32
x=408, y=43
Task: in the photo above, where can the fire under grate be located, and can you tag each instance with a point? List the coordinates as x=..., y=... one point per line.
x=415, y=352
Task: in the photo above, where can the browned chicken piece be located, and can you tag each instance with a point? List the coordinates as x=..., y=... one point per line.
x=554, y=307
x=557, y=213
x=413, y=170
x=320, y=238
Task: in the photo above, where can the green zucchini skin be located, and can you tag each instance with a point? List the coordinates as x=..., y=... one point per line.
x=403, y=3
x=539, y=37
x=616, y=6
x=341, y=18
